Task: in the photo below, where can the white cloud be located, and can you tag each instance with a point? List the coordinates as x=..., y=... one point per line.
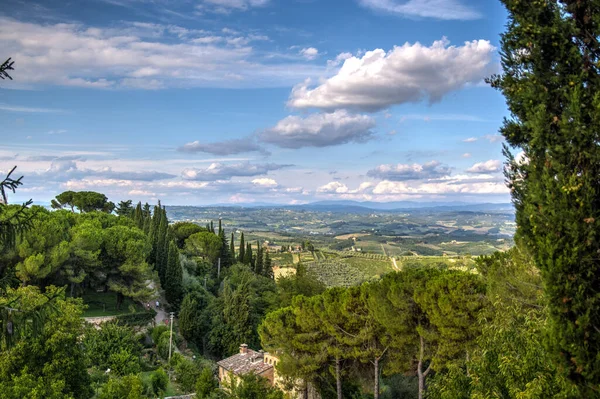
x=333, y=187
x=486, y=167
x=141, y=56
x=220, y=171
x=466, y=155
x=438, y=9
x=265, y=182
x=470, y=140
x=408, y=73
x=16, y=108
x=226, y=147
x=402, y=172
x=494, y=138
x=339, y=59
x=320, y=130
x=226, y=6
x=309, y=53
x=441, y=188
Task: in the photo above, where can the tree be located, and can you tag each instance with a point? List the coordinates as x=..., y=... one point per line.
x=13, y=219
x=232, y=249
x=224, y=255
x=66, y=198
x=159, y=380
x=43, y=357
x=187, y=373
x=551, y=77
x=195, y=317
x=248, y=258
x=268, y=267
x=125, y=208
x=258, y=262
x=206, y=384
x=205, y=244
x=183, y=230
x=124, y=260
x=113, y=347
x=252, y=386
x=173, y=277
x=84, y=201
x=242, y=251
x=162, y=245
x=128, y=387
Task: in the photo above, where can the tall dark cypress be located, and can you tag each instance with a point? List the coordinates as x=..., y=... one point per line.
x=212, y=227
x=551, y=80
x=162, y=245
x=232, y=249
x=147, y=216
x=153, y=233
x=138, y=216
x=242, y=251
x=268, y=267
x=258, y=262
x=173, y=284
x=225, y=256
x=248, y=258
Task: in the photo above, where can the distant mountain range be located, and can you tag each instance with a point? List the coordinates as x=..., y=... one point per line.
x=368, y=206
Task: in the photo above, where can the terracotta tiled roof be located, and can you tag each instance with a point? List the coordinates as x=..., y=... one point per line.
x=244, y=363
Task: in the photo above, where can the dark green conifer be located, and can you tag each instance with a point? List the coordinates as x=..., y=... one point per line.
x=173, y=285
x=551, y=80
x=258, y=262
x=232, y=249
x=242, y=251
x=267, y=266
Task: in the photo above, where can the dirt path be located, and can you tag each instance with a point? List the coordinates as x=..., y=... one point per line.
x=394, y=263
x=383, y=249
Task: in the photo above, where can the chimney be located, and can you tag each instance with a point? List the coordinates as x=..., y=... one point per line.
x=243, y=348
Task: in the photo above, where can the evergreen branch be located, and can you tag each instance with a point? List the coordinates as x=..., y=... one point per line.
x=6, y=66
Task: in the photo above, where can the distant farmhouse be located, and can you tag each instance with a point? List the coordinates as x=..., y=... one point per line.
x=260, y=363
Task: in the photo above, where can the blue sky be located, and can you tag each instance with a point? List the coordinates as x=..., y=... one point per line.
x=281, y=101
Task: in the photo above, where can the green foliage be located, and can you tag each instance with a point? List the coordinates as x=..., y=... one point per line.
x=550, y=60
x=157, y=332
x=187, y=373
x=125, y=209
x=181, y=231
x=127, y=387
x=84, y=201
x=195, y=317
x=173, y=285
x=44, y=355
x=301, y=283
x=113, y=347
x=251, y=386
x=206, y=384
x=204, y=244
x=159, y=381
x=124, y=257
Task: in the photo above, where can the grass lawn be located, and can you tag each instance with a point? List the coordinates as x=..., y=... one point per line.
x=105, y=304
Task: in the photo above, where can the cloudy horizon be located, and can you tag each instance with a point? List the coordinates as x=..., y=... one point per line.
x=254, y=101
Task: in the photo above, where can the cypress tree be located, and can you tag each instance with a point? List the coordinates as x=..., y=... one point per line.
x=267, y=266
x=173, y=285
x=258, y=263
x=162, y=245
x=138, y=216
x=242, y=251
x=225, y=256
x=153, y=233
x=212, y=227
x=248, y=255
x=147, y=216
x=551, y=80
x=232, y=249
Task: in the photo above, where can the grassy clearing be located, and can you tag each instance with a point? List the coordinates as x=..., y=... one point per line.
x=105, y=304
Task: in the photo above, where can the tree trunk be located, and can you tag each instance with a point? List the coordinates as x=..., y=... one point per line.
x=420, y=373
x=119, y=300
x=376, y=386
x=338, y=377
